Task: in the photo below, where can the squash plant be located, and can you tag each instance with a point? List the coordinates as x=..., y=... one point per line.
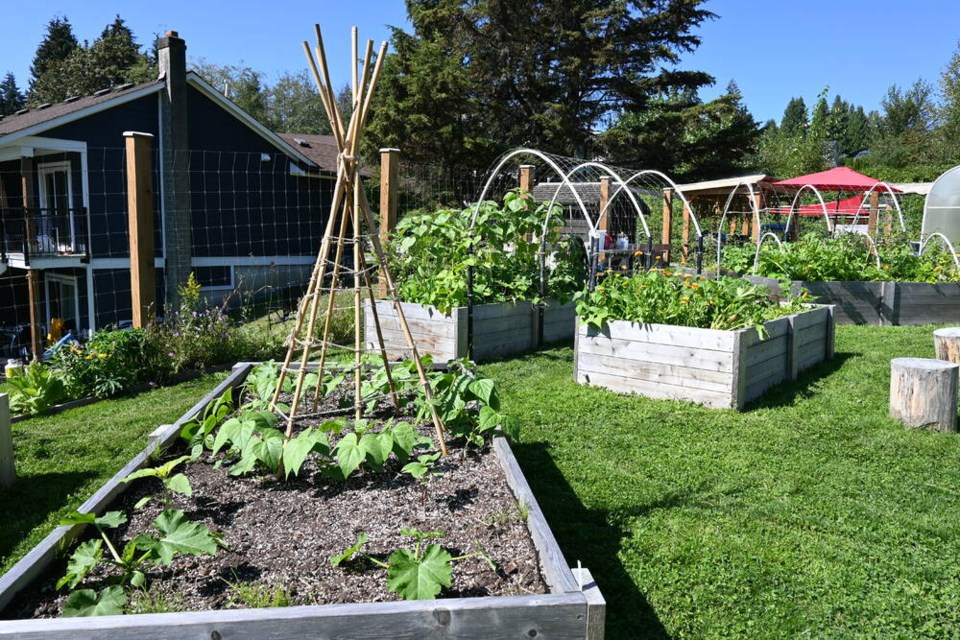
x=430, y=253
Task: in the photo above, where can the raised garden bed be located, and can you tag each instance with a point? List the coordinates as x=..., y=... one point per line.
x=499, y=329
x=884, y=303
x=565, y=610
x=721, y=369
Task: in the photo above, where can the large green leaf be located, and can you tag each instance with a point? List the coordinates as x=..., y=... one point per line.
x=162, y=471
x=111, y=519
x=296, y=450
x=87, y=602
x=179, y=484
x=414, y=579
x=83, y=559
x=349, y=454
x=177, y=535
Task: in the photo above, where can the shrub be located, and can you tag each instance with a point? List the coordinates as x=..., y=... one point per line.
x=105, y=366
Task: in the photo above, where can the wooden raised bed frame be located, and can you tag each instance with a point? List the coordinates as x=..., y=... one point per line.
x=719, y=369
x=499, y=329
x=573, y=609
x=883, y=303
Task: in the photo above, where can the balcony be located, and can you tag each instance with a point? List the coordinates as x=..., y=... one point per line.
x=55, y=237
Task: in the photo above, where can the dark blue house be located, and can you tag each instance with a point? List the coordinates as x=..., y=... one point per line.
x=235, y=203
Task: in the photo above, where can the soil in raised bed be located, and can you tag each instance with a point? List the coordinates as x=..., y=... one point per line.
x=280, y=535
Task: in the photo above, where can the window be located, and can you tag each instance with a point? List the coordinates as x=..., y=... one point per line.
x=55, y=224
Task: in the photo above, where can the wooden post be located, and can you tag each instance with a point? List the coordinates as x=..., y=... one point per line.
x=8, y=468
x=947, y=344
x=666, y=232
x=389, y=200
x=603, y=221
x=526, y=177
x=143, y=272
x=874, y=209
x=685, y=247
x=923, y=393
x=36, y=332
x=757, y=207
x=33, y=276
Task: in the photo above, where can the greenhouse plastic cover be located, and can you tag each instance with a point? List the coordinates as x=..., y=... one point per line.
x=941, y=213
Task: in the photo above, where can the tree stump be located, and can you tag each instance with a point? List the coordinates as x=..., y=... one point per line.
x=947, y=344
x=923, y=393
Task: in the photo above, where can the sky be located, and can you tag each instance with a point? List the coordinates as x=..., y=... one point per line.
x=775, y=49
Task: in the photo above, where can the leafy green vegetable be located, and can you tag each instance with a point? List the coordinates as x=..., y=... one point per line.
x=416, y=576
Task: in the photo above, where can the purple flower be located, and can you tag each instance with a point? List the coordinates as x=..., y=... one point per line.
x=170, y=354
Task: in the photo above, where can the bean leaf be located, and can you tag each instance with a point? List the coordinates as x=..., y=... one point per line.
x=348, y=553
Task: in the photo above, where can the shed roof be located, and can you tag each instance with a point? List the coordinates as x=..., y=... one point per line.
x=724, y=186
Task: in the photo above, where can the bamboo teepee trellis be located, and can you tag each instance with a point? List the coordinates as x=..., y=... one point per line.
x=349, y=206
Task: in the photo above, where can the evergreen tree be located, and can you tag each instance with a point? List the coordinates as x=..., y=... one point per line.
x=684, y=137
x=114, y=58
x=241, y=84
x=294, y=106
x=794, y=121
x=11, y=98
x=547, y=73
x=57, y=45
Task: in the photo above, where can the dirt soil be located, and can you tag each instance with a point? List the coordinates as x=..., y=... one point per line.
x=280, y=536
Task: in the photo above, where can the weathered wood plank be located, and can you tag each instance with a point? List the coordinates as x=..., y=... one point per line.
x=768, y=372
x=661, y=391
x=760, y=352
x=411, y=310
x=596, y=605
x=563, y=616
x=665, y=334
x=814, y=315
x=813, y=335
x=667, y=354
x=676, y=375
x=556, y=570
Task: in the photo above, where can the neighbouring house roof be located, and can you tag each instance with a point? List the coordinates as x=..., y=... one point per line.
x=589, y=192
x=46, y=116
x=36, y=120
x=321, y=149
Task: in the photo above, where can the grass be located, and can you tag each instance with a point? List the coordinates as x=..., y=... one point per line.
x=811, y=514
x=64, y=458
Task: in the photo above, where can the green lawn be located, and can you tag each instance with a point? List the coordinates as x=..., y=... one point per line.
x=811, y=514
x=63, y=459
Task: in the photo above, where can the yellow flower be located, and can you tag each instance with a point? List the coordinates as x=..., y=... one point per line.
x=695, y=286
x=89, y=356
x=101, y=355
x=666, y=272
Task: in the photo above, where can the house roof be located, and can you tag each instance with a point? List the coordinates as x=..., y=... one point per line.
x=322, y=150
x=37, y=117
x=28, y=122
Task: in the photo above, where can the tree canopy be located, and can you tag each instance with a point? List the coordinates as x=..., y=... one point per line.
x=114, y=58
x=477, y=77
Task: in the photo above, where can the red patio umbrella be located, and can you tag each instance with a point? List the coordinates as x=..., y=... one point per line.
x=836, y=179
x=848, y=207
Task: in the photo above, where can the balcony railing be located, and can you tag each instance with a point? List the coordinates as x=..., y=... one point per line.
x=43, y=233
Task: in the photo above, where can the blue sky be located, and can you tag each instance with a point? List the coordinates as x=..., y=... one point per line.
x=775, y=49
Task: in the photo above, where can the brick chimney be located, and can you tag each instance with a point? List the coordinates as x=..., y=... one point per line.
x=174, y=167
